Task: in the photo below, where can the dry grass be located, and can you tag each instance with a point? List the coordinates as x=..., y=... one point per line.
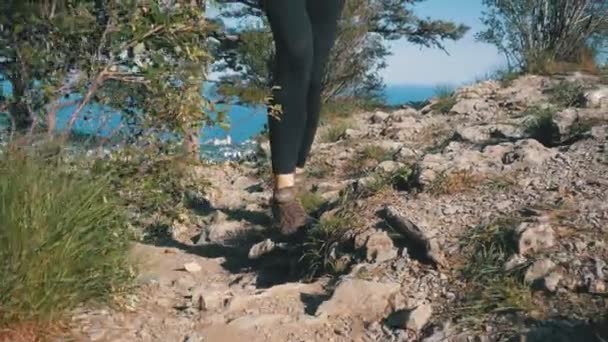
x=455, y=182
x=335, y=130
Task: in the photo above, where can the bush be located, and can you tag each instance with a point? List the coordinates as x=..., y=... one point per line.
x=63, y=240
x=567, y=94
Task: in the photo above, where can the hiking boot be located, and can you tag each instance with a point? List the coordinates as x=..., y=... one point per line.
x=287, y=211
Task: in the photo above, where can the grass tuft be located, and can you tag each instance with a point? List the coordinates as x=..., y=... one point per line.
x=455, y=182
x=567, y=94
x=490, y=289
x=328, y=244
x=445, y=100
x=540, y=126
x=63, y=240
x=335, y=131
x=311, y=201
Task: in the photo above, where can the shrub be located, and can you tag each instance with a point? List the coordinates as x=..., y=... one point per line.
x=567, y=94
x=63, y=239
x=541, y=127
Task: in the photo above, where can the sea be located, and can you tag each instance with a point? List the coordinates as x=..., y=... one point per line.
x=219, y=144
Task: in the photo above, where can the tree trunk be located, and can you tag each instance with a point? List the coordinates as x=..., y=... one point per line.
x=18, y=107
x=191, y=142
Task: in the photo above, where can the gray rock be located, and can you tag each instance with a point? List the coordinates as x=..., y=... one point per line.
x=416, y=234
x=367, y=300
x=597, y=98
x=515, y=261
x=262, y=248
x=470, y=106
x=535, y=237
x=380, y=248
x=598, y=286
x=389, y=166
x=551, y=282
x=479, y=134
x=414, y=320
x=379, y=117
x=350, y=133
x=539, y=269
x=565, y=119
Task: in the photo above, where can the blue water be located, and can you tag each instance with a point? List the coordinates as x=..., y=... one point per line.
x=245, y=122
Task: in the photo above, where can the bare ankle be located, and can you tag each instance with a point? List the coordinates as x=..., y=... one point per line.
x=284, y=181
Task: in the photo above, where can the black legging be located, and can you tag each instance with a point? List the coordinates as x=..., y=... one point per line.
x=304, y=32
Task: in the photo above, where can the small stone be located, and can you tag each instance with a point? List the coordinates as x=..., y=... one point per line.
x=539, y=270
x=414, y=320
x=261, y=248
x=192, y=267
x=515, y=261
x=552, y=281
x=380, y=247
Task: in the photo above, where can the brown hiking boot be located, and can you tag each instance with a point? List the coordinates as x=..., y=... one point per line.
x=288, y=213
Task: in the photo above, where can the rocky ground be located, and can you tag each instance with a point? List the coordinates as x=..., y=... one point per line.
x=480, y=217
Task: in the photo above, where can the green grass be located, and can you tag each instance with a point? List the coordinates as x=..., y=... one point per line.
x=506, y=77
x=566, y=94
x=63, y=240
x=540, y=125
x=327, y=249
x=311, y=201
x=491, y=290
x=369, y=154
x=445, y=99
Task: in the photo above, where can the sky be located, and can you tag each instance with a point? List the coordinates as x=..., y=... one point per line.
x=467, y=59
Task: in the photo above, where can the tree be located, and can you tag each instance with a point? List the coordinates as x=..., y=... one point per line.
x=535, y=33
x=356, y=60
x=144, y=58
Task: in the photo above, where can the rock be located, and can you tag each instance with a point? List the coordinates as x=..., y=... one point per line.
x=479, y=134
x=597, y=286
x=597, y=98
x=379, y=117
x=350, y=133
x=470, y=107
x=535, y=237
x=390, y=145
x=492, y=160
x=515, y=261
x=415, y=234
x=565, y=119
x=192, y=267
x=367, y=300
x=402, y=115
x=414, y=320
x=380, y=248
x=551, y=282
x=406, y=154
x=204, y=299
x=389, y=166
x=600, y=132
x=540, y=269
x=262, y=248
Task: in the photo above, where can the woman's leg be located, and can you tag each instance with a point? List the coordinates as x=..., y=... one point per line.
x=324, y=16
x=293, y=38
